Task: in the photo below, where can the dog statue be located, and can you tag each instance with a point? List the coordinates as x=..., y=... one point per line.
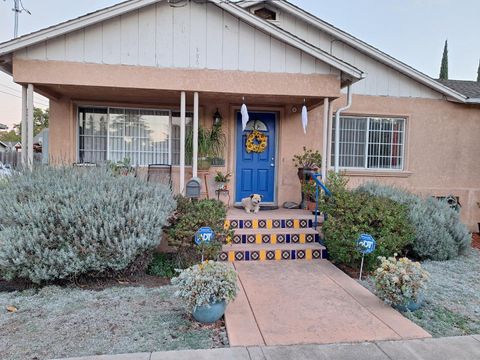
x=252, y=203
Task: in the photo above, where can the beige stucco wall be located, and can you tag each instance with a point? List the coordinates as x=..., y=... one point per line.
x=442, y=148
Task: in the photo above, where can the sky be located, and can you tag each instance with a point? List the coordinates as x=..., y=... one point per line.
x=413, y=31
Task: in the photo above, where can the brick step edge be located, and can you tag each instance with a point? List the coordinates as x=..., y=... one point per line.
x=273, y=255
x=271, y=224
x=303, y=238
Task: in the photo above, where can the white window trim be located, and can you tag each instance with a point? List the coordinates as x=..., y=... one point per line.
x=77, y=124
x=366, y=168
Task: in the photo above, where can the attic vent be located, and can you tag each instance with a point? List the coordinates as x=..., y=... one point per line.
x=266, y=14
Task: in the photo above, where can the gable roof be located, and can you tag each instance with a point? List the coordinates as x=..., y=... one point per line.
x=3, y=144
x=365, y=48
x=471, y=89
x=353, y=74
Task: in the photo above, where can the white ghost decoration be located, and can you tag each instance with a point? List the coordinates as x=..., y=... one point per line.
x=304, y=118
x=245, y=117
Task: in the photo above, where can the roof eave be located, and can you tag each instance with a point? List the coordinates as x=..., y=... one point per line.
x=475, y=101
x=370, y=50
x=289, y=38
x=72, y=25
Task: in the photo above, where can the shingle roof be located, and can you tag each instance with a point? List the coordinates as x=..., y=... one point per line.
x=470, y=89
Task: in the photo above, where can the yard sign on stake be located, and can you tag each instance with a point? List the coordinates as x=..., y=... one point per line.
x=204, y=235
x=366, y=245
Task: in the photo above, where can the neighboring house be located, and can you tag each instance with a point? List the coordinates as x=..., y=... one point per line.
x=129, y=80
x=3, y=147
x=3, y=127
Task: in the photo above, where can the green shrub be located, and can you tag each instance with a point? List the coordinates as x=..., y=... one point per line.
x=162, y=265
x=189, y=217
x=352, y=213
x=439, y=233
x=60, y=223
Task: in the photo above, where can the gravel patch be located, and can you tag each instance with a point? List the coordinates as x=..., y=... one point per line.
x=57, y=322
x=452, y=297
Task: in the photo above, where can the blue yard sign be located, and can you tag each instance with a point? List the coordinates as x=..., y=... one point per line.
x=204, y=235
x=366, y=245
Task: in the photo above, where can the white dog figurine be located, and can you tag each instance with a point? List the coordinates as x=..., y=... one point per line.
x=252, y=203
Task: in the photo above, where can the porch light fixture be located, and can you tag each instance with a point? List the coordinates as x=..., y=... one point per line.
x=217, y=119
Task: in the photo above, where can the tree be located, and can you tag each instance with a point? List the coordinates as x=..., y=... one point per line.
x=9, y=136
x=444, y=66
x=40, y=121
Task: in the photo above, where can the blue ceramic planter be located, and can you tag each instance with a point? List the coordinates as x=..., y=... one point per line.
x=411, y=305
x=209, y=314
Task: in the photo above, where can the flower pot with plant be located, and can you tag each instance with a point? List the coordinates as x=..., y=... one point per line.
x=211, y=143
x=222, y=180
x=206, y=289
x=400, y=283
x=308, y=163
x=309, y=192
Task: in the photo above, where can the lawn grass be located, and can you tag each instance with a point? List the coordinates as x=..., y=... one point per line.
x=452, y=297
x=59, y=322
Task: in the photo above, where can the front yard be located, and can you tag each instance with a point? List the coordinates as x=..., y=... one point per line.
x=452, y=297
x=56, y=322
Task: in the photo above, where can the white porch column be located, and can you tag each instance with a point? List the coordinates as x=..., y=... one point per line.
x=195, y=135
x=326, y=111
x=183, y=112
x=24, y=127
x=29, y=126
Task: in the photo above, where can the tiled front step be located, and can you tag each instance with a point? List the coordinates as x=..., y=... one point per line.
x=275, y=236
x=264, y=223
x=272, y=252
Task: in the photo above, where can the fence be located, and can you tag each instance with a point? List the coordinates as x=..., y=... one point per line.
x=14, y=159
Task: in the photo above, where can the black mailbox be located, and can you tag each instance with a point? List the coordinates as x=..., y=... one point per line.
x=194, y=186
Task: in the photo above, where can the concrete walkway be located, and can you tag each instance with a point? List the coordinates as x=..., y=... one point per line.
x=456, y=348
x=306, y=302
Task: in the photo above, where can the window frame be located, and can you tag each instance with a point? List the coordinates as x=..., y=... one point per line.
x=118, y=106
x=365, y=168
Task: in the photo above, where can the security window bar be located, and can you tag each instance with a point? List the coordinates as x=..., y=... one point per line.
x=370, y=143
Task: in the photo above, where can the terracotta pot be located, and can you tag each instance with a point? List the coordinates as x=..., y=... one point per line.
x=311, y=205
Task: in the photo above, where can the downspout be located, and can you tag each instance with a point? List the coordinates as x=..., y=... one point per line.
x=337, y=127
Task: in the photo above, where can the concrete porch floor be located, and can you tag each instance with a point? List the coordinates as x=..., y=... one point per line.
x=288, y=303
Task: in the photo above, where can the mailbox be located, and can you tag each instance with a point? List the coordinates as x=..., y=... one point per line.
x=193, y=188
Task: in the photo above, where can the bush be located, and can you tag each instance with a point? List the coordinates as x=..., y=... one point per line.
x=352, y=213
x=439, y=233
x=60, y=223
x=191, y=216
x=399, y=281
x=163, y=265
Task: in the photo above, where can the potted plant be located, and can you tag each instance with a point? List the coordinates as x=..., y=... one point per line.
x=211, y=143
x=123, y=167
x=400, y=283
x=307, y=163
x=309, y=192
x=206, y=289
x=222, y=180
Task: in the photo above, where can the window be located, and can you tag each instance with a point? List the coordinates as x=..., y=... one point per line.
x=370, y=143
x=143, y=136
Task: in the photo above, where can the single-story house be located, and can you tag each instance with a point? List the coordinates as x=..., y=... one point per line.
x=132, y=79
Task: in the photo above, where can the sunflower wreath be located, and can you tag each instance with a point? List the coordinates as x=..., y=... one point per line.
x=256, y=142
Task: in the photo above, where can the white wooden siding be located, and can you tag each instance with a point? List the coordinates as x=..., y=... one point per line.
x=199, y=36
x=381, y=80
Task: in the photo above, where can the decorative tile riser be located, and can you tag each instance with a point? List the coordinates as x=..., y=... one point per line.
x=275, y=239
x=269, y=224
x=273, y=255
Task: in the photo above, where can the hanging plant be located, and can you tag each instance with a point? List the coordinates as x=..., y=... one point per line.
x=257, y=142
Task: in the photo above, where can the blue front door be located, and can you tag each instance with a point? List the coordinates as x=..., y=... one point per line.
x=255, y=172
